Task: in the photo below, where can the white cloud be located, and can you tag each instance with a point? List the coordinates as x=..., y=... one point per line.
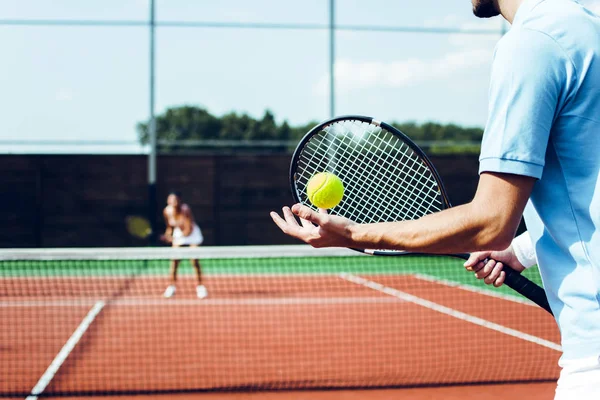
x=458, y=22
x=465, y=53
x=355, y=75
x=447, y=21
x=478, y=40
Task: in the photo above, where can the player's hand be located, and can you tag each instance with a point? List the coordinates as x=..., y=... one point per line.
x=318, y=229
x=166, y=238
x=487, y=265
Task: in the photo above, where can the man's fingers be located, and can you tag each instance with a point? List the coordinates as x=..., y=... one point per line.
x=498, y=282
x=485, y=271
x=289, y=217
x=306, y=224
x=494, y=274
x=474, y=259
x=477, y=267
x=471, y=261
x=306, y=213
x=280, y=222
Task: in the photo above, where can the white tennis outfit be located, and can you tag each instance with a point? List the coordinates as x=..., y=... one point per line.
x=179, y=239
x=194, y=238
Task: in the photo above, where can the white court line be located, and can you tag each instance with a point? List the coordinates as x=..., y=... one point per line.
x=79, y=302
x=65, y=351
x=450, y=312
x=475, y=289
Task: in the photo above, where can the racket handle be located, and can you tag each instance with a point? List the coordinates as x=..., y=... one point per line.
x=521, y=285
x=513, y=279
x=527, y=288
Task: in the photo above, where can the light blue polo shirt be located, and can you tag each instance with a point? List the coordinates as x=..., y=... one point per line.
x=544, y=122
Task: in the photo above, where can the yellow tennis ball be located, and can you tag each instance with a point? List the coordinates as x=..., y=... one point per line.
x=325, y=190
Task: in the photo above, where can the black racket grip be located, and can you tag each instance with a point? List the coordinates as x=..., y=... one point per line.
x=520, y=284
x=527, y=288
x=513, y=279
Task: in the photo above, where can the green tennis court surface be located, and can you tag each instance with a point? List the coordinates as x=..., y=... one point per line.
x=435, y=267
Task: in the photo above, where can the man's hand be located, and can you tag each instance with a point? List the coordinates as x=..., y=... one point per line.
x=316, y=228
x=491, y=270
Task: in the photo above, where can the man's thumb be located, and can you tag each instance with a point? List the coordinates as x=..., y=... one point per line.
x=474, y=258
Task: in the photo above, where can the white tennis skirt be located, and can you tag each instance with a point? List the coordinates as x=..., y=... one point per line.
x=194, y=238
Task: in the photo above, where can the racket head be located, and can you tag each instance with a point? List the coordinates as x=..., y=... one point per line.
x=138, y=227
x=386, y=176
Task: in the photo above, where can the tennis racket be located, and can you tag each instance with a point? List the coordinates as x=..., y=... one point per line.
x=387, y=178
x=138, y=227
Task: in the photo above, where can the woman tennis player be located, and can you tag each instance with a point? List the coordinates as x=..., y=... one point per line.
x=182, y=230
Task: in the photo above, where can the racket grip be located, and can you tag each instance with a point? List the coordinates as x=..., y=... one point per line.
x=521, y=285
x=527, y=288
x=513, y=279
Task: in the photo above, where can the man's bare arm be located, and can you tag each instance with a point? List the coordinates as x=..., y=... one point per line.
x=488, y=222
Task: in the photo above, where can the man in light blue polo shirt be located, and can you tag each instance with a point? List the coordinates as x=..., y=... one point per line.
x=544, y=122
x=540, y=158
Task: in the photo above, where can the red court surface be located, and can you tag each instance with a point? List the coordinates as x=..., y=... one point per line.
x=291, y=333
x=530, y=391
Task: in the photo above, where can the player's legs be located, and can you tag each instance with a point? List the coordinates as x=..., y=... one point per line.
x=201, y=291
x=170, y=291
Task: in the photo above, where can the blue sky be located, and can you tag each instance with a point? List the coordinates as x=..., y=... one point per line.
x=91, y=83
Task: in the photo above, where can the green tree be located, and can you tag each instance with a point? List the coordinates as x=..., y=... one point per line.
x=265, y=129
x=196, y=123
x=183, y=123
x=234, y=127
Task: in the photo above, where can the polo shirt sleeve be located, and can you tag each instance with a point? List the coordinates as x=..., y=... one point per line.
x=527, y=84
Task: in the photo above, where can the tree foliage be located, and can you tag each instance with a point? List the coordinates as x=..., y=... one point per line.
x=191, y=123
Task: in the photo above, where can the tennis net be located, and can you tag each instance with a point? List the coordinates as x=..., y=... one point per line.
x=94, y=321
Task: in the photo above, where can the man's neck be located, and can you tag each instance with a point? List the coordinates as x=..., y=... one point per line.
x=509, y=8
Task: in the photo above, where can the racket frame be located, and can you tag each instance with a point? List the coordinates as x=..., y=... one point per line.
x=389, y=128
x=513, y=279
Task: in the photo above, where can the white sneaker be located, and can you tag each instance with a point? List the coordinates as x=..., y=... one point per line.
x=201, y=291
x=170, y=291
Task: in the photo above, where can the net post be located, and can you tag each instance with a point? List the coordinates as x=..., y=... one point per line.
x=152, y=203
x=331, y=58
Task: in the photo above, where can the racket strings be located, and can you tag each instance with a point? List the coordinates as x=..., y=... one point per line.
x=367, y=189
x=377, y=180
x=355, y=189
x=415, y=179
x=385, y=179
x=380, y=186
x=401, y=170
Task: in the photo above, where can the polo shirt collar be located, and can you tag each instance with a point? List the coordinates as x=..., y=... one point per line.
x=524, y=9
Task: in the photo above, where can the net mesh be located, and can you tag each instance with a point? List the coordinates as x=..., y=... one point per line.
x=91, y=321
